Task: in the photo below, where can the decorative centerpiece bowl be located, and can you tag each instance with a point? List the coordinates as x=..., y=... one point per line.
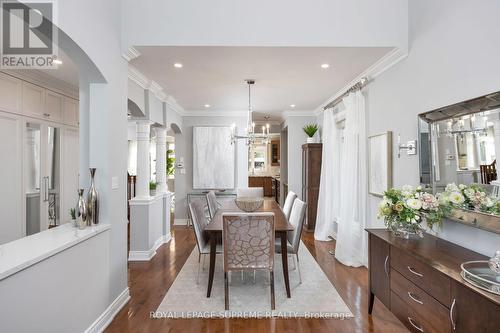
x=249, y=204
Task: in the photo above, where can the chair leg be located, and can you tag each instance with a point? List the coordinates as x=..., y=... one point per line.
x=203, y=265
x=198, y=275
x=298, y=267
x=294, y=263
x=254, y=276
x=226, y=291
x=271, y=278
x=241, y=275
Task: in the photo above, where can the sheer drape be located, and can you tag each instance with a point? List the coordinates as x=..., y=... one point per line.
x=351, y=189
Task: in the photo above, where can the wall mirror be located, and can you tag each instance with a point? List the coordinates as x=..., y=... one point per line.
x=459, y=144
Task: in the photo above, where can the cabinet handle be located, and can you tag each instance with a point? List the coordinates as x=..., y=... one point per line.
x=385, y=265
x=46, y=114
x=413, y=324
x=414, y=299
x=453, y=324
x=414, y=272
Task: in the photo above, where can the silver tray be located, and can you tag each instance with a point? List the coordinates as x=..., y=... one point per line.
x=479, y=274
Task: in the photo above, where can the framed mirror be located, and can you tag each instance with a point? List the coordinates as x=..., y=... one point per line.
x=459, y=146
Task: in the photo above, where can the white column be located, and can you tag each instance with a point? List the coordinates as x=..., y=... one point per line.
x=496, y=130
x=161, y=159
x=143, y=169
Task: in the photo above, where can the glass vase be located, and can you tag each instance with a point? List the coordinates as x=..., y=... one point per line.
x=406, y=230
x=92, y=201
x=81, y=210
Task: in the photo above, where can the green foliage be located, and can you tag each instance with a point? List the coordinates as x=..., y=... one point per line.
x=152, y=185
x=72, y=213
x=310, y=129
x=170, y=162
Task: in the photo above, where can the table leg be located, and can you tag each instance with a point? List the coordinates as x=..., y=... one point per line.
x=213, y=249
x=284, y=260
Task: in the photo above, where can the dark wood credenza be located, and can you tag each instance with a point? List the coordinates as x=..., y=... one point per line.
x=419, y=281
x=311, y=175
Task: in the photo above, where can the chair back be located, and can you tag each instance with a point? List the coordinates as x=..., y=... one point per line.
x=287, y=207
x=211, y=203
x=297, y=220
x=488, y=172
x=248, y=241
x=197, y=212
x=250, y=192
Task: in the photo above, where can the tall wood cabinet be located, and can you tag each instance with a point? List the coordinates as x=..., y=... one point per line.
x=311, y=174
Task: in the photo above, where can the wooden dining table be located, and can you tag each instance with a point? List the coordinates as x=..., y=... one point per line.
x=281, y=227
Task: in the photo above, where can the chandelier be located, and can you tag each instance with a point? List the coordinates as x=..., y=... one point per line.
x=250, y=135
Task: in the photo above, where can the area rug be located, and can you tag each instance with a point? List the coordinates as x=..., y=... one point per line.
x=315, y=297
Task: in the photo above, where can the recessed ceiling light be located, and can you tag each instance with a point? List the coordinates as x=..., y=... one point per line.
x=292, y=105
x=57, y=62
x=325, y=66
x=178, y=65
x=207, y=105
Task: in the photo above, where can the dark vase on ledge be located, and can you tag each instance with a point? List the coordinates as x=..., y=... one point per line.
x=92, y=201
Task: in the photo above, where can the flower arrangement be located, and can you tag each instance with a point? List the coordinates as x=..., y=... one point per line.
x=404, y=210
x=470, y=197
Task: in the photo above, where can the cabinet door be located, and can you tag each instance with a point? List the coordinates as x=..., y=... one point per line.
x=472, y=312
x=268, y=186
x=379, y=267
x=10, y=94
x=11, y=191
x=71, y=116
x=54, y=106
x=34, y=101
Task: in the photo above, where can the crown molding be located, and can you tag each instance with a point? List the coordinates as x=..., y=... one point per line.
x=379, y=67
x=172, y=104
x=135, y=75
x=215, y=113
x=131, y=54
x=298, y=113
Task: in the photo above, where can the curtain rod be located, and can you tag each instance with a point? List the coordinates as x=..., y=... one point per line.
x=357, y=86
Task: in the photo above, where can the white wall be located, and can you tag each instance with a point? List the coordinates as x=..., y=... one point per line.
x=184, y=148
x=454, y=56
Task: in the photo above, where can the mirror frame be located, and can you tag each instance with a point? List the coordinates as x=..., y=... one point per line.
x=484, y=103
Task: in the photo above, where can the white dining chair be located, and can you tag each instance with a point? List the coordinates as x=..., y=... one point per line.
x=293, y=237
x=212, y=204
x=287, y=207
x=250, y=192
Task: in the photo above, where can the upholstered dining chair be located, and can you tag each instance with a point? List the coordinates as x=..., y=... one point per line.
x=251, y=192
x=293, y=237
x=197, y=212
x=248, y=240
x=287, y=207
x=212, y=204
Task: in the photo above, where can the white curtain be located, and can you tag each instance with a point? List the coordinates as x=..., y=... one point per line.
x=351, y=190
x=325, y=216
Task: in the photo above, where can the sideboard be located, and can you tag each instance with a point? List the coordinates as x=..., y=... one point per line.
x=419, y=281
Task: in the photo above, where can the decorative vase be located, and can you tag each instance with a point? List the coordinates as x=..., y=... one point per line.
x=81, y=210
x=73, y=222
x=311, y=140
x=406, y=230
x=92, y=201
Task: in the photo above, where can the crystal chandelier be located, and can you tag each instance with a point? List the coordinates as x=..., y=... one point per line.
x=250, y=136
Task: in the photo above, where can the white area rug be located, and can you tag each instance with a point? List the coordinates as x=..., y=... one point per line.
x=314, y=298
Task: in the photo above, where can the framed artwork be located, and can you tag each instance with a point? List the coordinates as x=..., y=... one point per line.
x=379, y=163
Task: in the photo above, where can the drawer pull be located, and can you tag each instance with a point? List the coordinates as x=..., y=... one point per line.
x=414, y=299
x=385, y=265
x=414, y=272
x=413, y=324
x=453, y=324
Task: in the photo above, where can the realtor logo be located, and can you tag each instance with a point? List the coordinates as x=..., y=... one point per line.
x=28, y=36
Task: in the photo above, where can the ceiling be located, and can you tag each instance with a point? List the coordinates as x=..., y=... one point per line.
x=283, y=75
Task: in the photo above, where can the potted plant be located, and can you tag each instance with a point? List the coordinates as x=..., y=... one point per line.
x=170, y=162
x=72, y=214
x=152, y=188
x=310, y=130
x=404, y=211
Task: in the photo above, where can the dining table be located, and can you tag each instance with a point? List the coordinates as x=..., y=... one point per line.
x=281, y=228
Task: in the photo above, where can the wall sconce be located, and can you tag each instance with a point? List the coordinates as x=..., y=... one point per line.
x=180, y=165
x=410, y=147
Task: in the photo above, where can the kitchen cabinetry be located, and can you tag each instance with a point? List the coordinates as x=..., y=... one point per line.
x=266, y=182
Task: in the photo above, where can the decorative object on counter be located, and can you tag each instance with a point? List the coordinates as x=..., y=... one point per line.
x=152, y=188
x=81, y=210
x=480, y=275
x=311, y=130
x=72, y=213
x=406, y=209
x=92, y=201
x=249, y=204
x=470, y=197
x=494, y=263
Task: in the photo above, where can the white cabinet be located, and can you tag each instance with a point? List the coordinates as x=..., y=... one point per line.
x=71, y=116
x=54, y=104
x=34, y=101
x=10, y=93
x=11, y=169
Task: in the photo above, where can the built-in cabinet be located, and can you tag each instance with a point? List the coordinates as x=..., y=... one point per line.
x=41, y=151
x=311, y=175
x=266, y=182
x=419, y=281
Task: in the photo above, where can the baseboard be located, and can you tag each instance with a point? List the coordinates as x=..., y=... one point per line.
x=181, y=221
x=167, y=238
x=107, y=316
x=148, y=254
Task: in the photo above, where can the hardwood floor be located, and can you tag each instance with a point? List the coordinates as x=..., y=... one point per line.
x=149, y=282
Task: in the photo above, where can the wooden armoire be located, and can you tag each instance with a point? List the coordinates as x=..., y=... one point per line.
x=311, y=174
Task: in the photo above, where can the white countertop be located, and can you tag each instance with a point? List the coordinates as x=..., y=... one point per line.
x=24, y=252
